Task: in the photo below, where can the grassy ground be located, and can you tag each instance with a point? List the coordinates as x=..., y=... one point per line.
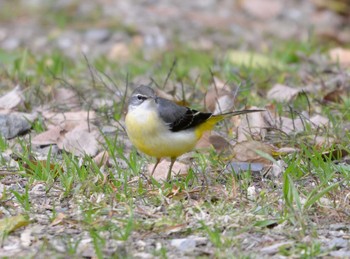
x=73, y=207
x=57, y=205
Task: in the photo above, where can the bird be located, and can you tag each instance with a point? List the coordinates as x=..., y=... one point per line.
x=161, y=128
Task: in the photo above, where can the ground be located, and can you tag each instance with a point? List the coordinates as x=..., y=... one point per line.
x=268, y=184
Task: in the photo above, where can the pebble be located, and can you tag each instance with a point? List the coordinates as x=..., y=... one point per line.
x=97, y=35
x=184, y=244
x=12, y=125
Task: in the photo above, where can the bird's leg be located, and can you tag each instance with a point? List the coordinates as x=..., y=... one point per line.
x=155, y=166
x=173, y=159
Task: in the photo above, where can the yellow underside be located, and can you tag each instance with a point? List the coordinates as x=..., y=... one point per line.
x=149, y=134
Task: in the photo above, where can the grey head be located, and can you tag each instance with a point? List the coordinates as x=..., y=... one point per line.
x=141, y=94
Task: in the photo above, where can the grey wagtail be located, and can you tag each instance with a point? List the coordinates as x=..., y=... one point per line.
x=160, y=128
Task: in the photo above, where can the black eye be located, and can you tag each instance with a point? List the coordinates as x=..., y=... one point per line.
x=141, y=97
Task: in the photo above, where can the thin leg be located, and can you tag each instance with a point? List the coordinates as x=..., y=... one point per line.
x=173, y=159
x=155, y=166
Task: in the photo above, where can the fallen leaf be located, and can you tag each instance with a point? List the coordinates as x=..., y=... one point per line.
x=252, y=126
x=318, y=121
x=66, y=97
x=283, y=93
x=48, y=137
x=80, y=142
x=11, y=99
x=336, y=95
x=219, y=143
x=101, y=159
x=246, y=151
x=288, y=125
x=219, y=99
x=162, y=169
x=7, y=225
x=119, y=52
x=58, y=219
x=204, y=141
x=69, y=120
x=341, y=56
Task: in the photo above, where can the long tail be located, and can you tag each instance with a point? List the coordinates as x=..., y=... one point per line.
x=211, y=121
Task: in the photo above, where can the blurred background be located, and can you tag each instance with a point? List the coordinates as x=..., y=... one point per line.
x=118, y=29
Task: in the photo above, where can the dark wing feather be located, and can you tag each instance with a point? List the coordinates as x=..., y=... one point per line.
x=179, y=117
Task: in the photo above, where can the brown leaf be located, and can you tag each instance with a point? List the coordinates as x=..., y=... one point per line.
x=246, y=151
x=289, y=125
x=163, y=168
x=219, y=143
x=252, y=125
x=119, y=52
x=58, y=219
x=11, y=99
x=219, y=98
x=204, y=142
x=101, y=159
x=66, y=97
x=48, y=137
x=341, y=56
x=319, y=121
x=283, y=93
x=69, y=120
x=336, y=95
x=10, y=224
x=79, y=142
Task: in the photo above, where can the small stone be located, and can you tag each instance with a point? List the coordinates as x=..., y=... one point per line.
x=184, y=244
x=273, y=249
x=97, y=35
x=339, y=226
x=340, y=254
x=12, y=125
x=339, y=243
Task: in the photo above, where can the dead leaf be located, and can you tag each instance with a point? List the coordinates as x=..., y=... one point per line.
x=48, y=137
x=283, y=93
x=11, y=99
x=289, y=125
x=252, y=126
x=263, y=9
x=219, y=143
x=341, y=56
x=58, y=219
x=219, y=99
x=204, y=141
x=119, y=52
x=336, y=95
x=246, y=151
x=7, y=225
x=80, y=142
x=162, y=169
x=101, y=159
x=319, y=121
x=66, y=97
x=69, y=120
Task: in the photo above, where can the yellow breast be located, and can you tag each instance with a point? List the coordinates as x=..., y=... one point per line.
x=150, y=135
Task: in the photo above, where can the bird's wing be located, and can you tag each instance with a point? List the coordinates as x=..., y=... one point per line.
x=179, y=117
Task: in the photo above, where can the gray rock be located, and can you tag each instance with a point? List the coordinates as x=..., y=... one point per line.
x=184, y=244
x=12, y=125
x=339, y=243
x=340, y=254
x=273, y=249
x=97, y=35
